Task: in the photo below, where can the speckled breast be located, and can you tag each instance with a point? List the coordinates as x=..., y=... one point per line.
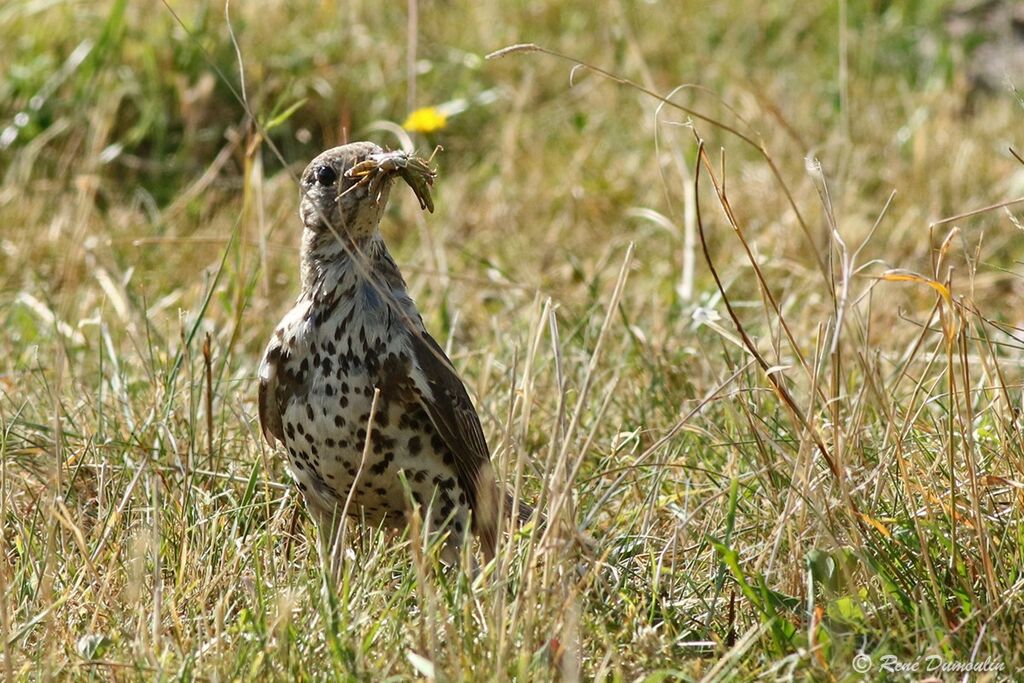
x=336, y=354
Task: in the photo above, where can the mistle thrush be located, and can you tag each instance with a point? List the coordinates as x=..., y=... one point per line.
x=353, y=330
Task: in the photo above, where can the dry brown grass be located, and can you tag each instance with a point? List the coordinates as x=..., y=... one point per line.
x=143, y=213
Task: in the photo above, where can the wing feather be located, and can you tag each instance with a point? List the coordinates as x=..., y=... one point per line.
x=451, y=411
x=270, y=415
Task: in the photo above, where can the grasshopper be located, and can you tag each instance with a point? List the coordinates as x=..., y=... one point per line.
x=414, y=170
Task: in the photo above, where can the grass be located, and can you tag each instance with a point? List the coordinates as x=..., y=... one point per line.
x=774, y=422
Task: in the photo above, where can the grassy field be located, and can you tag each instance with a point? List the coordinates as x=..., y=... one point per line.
x=774, y=421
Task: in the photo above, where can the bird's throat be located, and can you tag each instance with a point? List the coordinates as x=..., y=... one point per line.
x=324, y=253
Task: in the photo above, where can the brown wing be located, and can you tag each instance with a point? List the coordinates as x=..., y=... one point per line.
x=270, y=414
x=453, y=415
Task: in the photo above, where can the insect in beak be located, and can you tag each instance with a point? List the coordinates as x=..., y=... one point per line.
x=376, y=169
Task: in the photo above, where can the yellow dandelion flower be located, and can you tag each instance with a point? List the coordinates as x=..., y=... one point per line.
x=425, y=120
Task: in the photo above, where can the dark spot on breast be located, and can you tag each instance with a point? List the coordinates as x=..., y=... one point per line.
x=415, y=445
x=381, y=442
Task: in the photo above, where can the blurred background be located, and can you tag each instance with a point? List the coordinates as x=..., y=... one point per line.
x=124, y=140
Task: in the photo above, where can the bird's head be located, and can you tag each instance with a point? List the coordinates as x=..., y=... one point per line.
x=332, y=200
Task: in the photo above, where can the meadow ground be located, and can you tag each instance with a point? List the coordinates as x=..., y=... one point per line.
x=774, y=422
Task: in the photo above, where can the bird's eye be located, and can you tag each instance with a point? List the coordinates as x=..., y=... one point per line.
x=325, y=175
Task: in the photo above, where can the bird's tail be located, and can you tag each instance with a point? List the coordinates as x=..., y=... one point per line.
x=485, y=520
x=485, y=512
x=517, y=509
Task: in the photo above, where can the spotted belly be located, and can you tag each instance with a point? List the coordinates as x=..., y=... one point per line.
x=333, y=449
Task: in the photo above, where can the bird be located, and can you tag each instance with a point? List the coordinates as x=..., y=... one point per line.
x=371, y=413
